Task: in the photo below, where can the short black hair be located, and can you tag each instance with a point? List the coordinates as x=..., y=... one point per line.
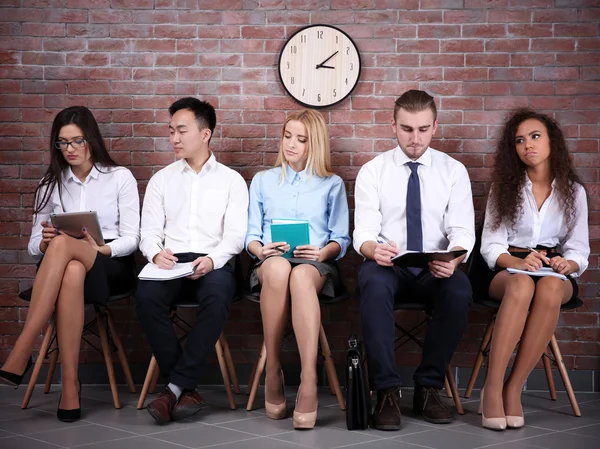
x=203, y=111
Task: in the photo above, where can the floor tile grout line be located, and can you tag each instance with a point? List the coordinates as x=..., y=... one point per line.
x=212, y=445
x=384, y=439
x=42, y=441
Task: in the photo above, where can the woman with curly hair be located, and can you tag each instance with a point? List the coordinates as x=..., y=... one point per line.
x=536, y=217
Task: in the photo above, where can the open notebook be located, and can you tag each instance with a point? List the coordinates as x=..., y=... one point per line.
x=544, y=271
x=421, y=259
x=151, y=272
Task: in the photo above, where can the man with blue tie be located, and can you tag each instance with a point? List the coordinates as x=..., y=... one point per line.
x=412, y=198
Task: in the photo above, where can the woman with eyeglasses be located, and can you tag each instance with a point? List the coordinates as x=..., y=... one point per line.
x=81, y=177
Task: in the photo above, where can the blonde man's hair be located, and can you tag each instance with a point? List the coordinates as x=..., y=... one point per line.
x=319, y=154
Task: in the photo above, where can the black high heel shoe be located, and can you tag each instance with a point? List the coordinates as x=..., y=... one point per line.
x=15, y=379
x=71, y=415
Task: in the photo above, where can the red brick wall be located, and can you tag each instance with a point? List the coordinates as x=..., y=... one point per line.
x=479, y=58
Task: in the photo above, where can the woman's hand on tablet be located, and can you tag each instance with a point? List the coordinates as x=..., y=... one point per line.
x=104, y=249
x=48, y=233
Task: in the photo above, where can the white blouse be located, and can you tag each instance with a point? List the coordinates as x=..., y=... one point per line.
x=546, y=227
x=110, y=191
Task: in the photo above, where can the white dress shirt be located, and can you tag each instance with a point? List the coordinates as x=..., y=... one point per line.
x=204, y=212
x=110, y=191
x=545, y=227
x=447, y=216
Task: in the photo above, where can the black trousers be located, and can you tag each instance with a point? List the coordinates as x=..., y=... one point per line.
x=450, y=300
x=213, y=293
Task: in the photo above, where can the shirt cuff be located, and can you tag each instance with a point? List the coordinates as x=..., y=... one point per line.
x=579, y=260
x=493, y=256
x=361, y=239
x=463, y=242
x=342, y=249
x=219, y=260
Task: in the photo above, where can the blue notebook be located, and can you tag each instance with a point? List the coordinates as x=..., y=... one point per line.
x=293, y=232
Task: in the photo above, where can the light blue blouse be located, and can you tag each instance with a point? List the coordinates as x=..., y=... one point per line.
x=321, y=201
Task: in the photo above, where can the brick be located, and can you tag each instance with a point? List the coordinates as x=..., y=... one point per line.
x=591, y=44
x=588, y=102
x=21, y=15
x=554, y=15
x=441, y=4
x=399, y=60
x=287, y=17
x=509, y=16
x=507, y=45
x=10, y=86
x=418, y=46
x=110, y=16
x=112, y=45
x=127, y=4
x=484, y=31
x=219, y=32
x=64, y=44
x=449, y=88
x=44, y=87
x=129, y=30
x=465, y=16
x=483, y=117
x=576, y=29
x=421, y=17
x=132, y=60
x=578, y=59
x=459, y=74
x=198, y=46
x=555, y=73
x=88, y=59
x=154, y=74
x=552, y=103
x=21, y=43
x=438, y=31
x=553, y=44
x=109, y=102
x=395, y=31
x=44, y=29
x=86, y=30
x=461, y=103
x=578, y=117
x=486, y=88
x=153, y=45
x=487, y=60
x=88, y=87
x=66, y=73
x=244, y=17
x=501, y=74
x=461, y=45
x=577, y=88
x=175, y=31
x=531, y=88
x=43, y=58
x=532, y=60
x=530, y=30
x=21, y=72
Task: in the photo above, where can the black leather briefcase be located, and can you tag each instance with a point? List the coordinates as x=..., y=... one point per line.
x=358, y=399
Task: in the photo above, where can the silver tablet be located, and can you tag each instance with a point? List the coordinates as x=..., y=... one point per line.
x=72, y=222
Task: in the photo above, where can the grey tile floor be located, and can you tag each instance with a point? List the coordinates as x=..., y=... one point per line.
x=549, y=425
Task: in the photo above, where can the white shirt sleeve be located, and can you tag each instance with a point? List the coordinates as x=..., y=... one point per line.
x=235, y=223
x=36, y=229
x=129, y=215
x=576, y=245
x=494, y=243
x=153, y=217
x=367, y=216
x=459, y=220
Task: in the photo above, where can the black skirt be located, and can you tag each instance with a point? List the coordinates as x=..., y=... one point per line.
x=108, y=276
x=331, y=288
x=522, y=255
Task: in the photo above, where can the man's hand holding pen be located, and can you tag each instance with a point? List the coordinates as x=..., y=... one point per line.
x=273, y=249
x=384, y=252
x=165, y=259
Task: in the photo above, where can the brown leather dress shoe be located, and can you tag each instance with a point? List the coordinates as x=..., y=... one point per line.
x=428, y=404
x=387, y=411
x=162, y=407
x=190, y=402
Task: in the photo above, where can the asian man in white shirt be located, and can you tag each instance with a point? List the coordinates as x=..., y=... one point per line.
x=195, y=210
x=412, y=198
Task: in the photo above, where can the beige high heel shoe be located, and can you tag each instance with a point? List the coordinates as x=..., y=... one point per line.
x=490, y=423
x=276, y=411
x=304, y=420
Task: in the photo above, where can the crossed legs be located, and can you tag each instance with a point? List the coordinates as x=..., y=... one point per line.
x=517, y=293
x=280, y=281
x=58, y=284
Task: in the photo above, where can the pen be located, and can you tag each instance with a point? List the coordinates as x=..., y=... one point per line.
x=162, y=248
x=279, y=248
x=536, y=251
x=382, y=241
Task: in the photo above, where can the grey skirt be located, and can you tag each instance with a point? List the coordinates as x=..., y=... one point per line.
x=331, y=288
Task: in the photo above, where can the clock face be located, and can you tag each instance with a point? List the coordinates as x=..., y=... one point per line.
x=319, y=66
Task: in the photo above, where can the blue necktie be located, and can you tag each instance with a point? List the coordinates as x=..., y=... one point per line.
x=414, y=231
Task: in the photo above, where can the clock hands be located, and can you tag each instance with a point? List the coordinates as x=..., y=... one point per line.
x=323, y=63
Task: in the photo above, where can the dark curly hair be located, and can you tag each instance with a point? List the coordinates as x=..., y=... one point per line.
x=508, y=176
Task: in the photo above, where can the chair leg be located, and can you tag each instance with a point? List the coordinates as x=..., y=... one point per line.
x=450, y=379
x=252, y=373
x=107, y=358
x=147, y=381
x=230, y=365
x=447, y=388
x=487, y=336
x=225, y=373
x=120, y=351
x=154, y=380
x=549, y=378
x=565, y=375
x=38, y=363
x=51, y=368
x=330, y=368
x=255, y=379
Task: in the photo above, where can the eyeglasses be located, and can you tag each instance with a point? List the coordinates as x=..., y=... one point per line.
x=76, y=144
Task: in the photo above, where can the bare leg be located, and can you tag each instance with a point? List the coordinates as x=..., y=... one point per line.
x=550, y=293
x=305, y=282
x=516, y=292
x=274, y=276
x=69, y=321
x=62, y=250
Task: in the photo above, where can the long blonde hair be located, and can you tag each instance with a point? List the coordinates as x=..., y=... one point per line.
x=319, y=154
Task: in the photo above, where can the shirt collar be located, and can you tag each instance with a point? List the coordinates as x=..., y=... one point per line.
x=209, y=165
x=529, y=184
x=402, y=159
x=68, y=175
x=293, y=176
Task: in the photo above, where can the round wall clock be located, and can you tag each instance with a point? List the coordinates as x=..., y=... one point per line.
x=319, y=66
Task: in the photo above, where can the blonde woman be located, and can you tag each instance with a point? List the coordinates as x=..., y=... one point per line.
x=300, y=186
